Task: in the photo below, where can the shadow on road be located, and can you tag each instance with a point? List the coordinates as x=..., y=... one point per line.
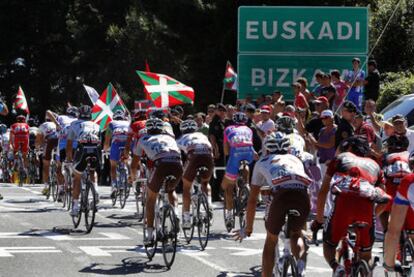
x=254, y=271
x=132, y=265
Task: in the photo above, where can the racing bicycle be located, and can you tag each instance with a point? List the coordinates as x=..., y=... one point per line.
x=122, y=186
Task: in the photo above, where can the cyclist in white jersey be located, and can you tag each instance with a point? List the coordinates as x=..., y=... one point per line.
x=115, y=139
x=164, y=156
x=87, y=135
x=282, y=176
x=286, y=125
x=198, y=150
x=48, y=137
x=63, y=123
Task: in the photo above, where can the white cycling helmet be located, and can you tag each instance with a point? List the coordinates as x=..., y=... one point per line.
x=277, y=143
x=188, y=126
x=154, y=125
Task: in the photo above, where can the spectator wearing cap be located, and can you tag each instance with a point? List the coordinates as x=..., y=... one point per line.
x=215, y=134
x=300, y=99
x=363, y=129
x=400, y=128
x=341, y=89
x=267, y=125
x=210, y=113
x=325, y=143
x=200, y=119
x=372, y=82
x=355, y=80
x=318, y=78
x=176, y=116
x=345, y=128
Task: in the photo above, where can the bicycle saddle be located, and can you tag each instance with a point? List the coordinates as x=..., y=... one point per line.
x=359, y=225
x=244, y=163
x=293, y=212
x=169, y=179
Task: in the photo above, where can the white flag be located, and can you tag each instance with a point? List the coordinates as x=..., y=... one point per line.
x=92, y=93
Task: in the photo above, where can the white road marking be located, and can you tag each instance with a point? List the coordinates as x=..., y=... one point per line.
x=105, y=251
x=7, y=251
x=318, y=269
x=244, y=251
x=58, y=237
x=32, y=191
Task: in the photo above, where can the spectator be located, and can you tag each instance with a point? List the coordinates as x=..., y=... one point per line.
x=363, y=129
x=215, y=134
x=341, y=89
x=387, y=130
x=372, y=118
x=355, y=79
x=267, y=125
x=326, y=140
x=277, y=97
x=278, y=108
x=176, y=116
x=315, y=125
x=260, y=100
x=200, y=119
x=257, y=140
x=328, y=90
x=300, y=99
x=345, y=128
x=304, y=88
x=229, y=115
x=210, y=113
x=400, y=128
x=268, y=101
x=372, y=82
x=317, y=90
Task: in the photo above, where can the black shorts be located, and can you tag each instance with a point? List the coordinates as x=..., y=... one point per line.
x=82, y=153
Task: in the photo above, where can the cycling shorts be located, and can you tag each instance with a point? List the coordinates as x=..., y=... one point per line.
x=164, y=167
x=348, y=209
x=391, y=188
x=194, y=161
x=22, y=144
x=116, y=151
x=236, y=156
x=32, y=141
x=50, y=145
x=82, y=153
x=283, y=201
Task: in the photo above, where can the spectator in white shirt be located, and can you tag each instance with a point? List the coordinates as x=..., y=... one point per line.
x=400, y=128
x=267, y=125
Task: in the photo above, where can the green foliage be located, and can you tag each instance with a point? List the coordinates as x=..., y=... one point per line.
x=395, y=85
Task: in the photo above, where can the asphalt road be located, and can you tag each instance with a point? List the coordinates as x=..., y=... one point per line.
x=37, y=239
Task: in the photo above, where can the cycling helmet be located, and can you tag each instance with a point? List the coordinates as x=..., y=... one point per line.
x=21, y=118
x=3, y=129
x=188, y=126
x=396, y=143
x=119, y=115
x=158, y=114
x=154, y=126
x=359, y=146
x=85, y=112
x=240, y=118
x=277, y=143
x=33, y=122
x=72, y=111
x=285, y=124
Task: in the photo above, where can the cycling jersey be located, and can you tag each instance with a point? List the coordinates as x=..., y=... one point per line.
x=297, y=144
x=238, y=136
x=135, y=128
x=33, y=132
x=405, y=196
x=194, y=142
x=48, y=130
x=119, y=134
x=281, y=171
x=20, y=133
x=157, y=146
x=64, y=124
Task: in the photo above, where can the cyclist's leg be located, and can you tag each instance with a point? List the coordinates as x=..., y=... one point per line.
x=46, y=163
x=114, y=158
x=135, y=164
x=367, y=235
x=79, y=165
x=268, y=257
x=229, y=179
x=189, y=175
x=60, y=158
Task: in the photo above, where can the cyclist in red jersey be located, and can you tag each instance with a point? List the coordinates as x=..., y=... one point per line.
x=395, y=166
x=357, y=178
x=402, y=213
x=19, y=137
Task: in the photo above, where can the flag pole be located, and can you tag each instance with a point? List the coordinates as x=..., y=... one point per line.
x=223, y=89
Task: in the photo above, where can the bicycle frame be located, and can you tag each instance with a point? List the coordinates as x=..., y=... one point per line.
x=355, y=247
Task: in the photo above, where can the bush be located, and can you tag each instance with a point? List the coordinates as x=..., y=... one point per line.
x=394, y=85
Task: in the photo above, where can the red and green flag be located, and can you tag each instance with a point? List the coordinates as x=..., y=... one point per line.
x=106, y=105
x=165, y=91
x=230, y=78
x=20, y=103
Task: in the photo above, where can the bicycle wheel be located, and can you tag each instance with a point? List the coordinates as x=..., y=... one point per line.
x=122, y=189
x=77, y=219
x=89, y=206
x=189, y=232
x=169, y=235
x=229, y=228
x=203, y=221
x=150, y=249
x=139, y=202
x=68, y=193
x=289, y=267
x=243, y=198
x=361, y=269
x=407, y=254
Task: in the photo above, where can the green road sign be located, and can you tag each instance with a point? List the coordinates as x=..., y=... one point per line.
x=339, y=30
x=263, y=74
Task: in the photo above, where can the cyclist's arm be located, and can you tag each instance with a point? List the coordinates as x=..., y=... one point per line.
x=251, y=208
x=107, y=142
x=11, y=140
x=135, y=165
x=226, y=148
x=392, y=236
x=323, y=192
x=69, y=150
x=39, y=140
x=52, y=117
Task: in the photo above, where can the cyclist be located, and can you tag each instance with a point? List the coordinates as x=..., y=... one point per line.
x=402, y=212
x=163, y=152
x=396, y=166
x=358, y=180
x=285, y=174
x=48, y=138
x=86, y=133
x=63, y=123
x=286, y=125
x=198, y=150
x=115, y=139
x=34, y=134
x=19, y=137
x=238, y=145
